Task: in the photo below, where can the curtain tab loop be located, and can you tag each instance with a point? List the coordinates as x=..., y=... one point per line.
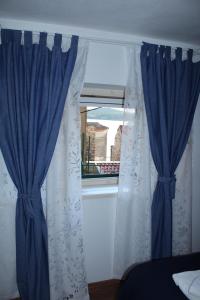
x=190, y=54
x=43, y=38
x=171, y=181
x=28, y=39
x=11, y=36
x=179, y=53
x=57, y=40
x=162, y=50
x=168, y=52
x=74, y=42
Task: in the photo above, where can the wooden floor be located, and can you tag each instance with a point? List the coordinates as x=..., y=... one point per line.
x=104, y=290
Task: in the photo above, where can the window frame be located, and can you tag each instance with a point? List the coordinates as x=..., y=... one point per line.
x=101, y=95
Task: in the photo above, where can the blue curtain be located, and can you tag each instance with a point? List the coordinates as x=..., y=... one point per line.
x=171, y=90
x=34, y=83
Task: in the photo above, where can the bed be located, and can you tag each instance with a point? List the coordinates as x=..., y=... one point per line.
x=153, y=280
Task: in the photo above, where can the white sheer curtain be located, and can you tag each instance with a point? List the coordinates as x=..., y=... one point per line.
x=61, y=194
x=63, y=198
x=8, y=195
x=137, y=182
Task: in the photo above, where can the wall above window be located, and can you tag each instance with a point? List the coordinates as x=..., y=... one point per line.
x=106, y=64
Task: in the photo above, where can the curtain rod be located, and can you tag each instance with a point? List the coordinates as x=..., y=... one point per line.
x=89, y=39
x=137, y=43
x=115, y=42
x=96, y=40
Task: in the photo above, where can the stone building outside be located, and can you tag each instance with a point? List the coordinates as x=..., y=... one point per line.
x=99, y=156
x=96, y=141
x=115, y=149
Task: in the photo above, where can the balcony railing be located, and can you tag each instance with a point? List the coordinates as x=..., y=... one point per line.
x=98, y=169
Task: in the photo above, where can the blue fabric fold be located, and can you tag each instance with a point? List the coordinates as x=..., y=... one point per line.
x=171, y=90
x=34, y=82
x=171, y=181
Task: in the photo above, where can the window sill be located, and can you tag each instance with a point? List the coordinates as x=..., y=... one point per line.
x=98, y=187
x=99, y=182
x=98, y=191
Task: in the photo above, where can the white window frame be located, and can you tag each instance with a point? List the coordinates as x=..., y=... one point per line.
x=101, y=95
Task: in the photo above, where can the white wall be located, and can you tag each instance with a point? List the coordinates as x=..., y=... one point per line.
x=106, y=64
x=99, y=226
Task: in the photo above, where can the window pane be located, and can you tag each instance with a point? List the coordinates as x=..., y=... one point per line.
x=101, y=129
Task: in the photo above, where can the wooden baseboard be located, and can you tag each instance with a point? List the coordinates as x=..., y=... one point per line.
x=102, y=290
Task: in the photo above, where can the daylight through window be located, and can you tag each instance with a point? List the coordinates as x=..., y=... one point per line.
x=101, y=131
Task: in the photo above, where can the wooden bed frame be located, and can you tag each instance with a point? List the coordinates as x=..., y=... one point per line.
x=153, y=280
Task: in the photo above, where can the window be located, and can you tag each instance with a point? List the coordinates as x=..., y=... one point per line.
x=101, y=128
